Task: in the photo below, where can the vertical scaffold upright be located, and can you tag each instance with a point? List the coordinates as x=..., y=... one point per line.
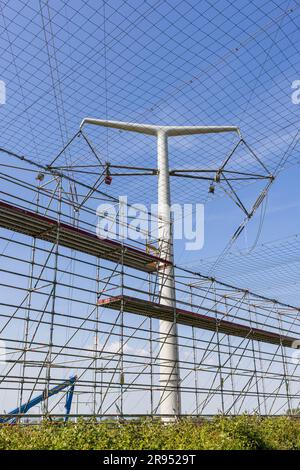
x=169, y=371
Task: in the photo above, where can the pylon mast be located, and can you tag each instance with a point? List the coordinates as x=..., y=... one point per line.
x=169, y=370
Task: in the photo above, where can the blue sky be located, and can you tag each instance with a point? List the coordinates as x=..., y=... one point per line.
x=164, y=63
x=161, y=62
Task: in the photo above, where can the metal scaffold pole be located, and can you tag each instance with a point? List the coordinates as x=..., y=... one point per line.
x=224, y=348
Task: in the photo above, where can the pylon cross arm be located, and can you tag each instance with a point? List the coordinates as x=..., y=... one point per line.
x=150, y=129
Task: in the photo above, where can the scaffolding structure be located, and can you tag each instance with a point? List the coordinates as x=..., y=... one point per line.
x=72, y=303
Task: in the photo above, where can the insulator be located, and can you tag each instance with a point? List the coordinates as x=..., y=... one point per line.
x=108, y=179
x=40, y=176
x=217, y=177
x=211, y=189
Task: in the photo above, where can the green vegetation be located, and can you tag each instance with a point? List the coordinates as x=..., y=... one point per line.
x=244, y=432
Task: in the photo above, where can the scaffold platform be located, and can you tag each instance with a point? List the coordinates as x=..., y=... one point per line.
x=189, y=318
x=45, y=228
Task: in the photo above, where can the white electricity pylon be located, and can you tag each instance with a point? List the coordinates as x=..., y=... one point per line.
x=170, y=403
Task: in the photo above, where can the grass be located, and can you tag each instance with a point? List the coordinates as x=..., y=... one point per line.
x=239, y=433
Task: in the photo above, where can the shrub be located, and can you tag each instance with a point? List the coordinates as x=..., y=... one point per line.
x=221, y=433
